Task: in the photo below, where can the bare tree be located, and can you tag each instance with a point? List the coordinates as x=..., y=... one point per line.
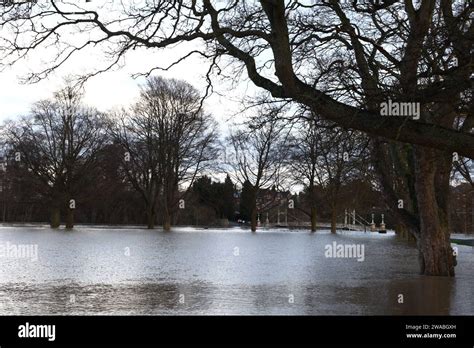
x=326, y=156
x=257, y=157
x=168, y=140
x=303, y=163
x=136, y=135
x=301, y=51
x=343, y=157
x=58, y=143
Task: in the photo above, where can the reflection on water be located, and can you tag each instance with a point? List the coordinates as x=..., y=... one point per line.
x=190, y=271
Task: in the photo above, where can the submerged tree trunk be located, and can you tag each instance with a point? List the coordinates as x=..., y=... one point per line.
x=436, y=254
x=55, y=218
x=313, y=219
x=312, y=192
x=333, y=218
x=167, y=223
x=166, y=218
x=253, y=219
x=69, y=218
x=253, y=213
x=150, y=218
x=404, y=233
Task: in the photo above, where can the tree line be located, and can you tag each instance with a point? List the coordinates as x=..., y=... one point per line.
x=158, y=162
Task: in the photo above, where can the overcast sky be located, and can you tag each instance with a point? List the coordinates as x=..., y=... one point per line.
x=116, y=88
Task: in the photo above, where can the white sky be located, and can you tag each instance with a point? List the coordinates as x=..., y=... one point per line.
x=116, y=88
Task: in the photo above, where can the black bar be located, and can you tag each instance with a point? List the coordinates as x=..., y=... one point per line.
x=260, y=330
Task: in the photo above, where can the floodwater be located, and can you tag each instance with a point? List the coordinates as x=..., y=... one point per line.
x=127, y=271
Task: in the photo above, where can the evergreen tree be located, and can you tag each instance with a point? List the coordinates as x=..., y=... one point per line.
x=246, y=201
x=228, y=198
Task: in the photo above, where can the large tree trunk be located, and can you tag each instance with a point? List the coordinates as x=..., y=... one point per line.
x=55, y=217
x=436, y=254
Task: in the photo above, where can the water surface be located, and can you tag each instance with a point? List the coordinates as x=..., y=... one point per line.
x=215, y=271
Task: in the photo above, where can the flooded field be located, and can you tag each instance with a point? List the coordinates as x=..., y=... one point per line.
x=120, y=271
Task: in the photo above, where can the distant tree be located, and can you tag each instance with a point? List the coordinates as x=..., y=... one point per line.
x=325, y=156
x=303, y=161
x=206, y=193
x=216, y=195
x=228, y=198
x=58, y=143
x=21, y=198
x=108, y=198
x=168, y=139
x=343, y=155
x=257, y=158
x=246, y=201
x=139, y=158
